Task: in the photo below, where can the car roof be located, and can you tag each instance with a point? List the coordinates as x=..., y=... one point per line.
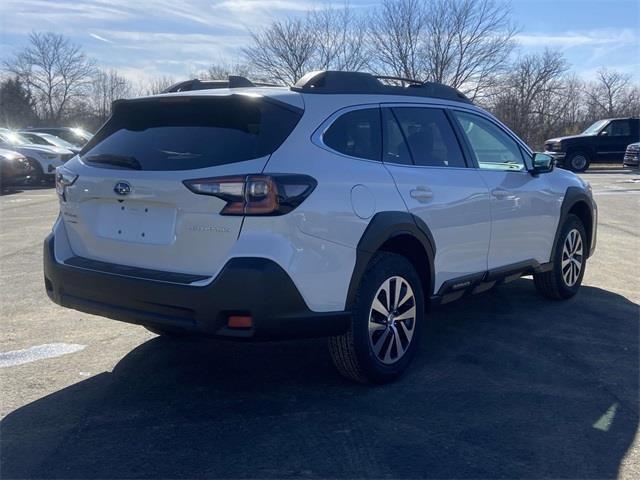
x=282, y=94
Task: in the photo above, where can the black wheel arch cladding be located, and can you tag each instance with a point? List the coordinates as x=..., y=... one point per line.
x=573, y=198
x=383, y=227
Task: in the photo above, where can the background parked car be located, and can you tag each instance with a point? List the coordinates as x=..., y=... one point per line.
x=605, y=140
x=14, y=168
x=42, y=159
x=40, y=138
x=76, y=136
x=632, y=155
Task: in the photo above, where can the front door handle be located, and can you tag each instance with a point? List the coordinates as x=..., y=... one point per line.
x=501, y=194
x=421, y=193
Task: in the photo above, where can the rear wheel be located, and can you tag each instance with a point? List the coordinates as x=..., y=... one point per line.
x=386, y=320
x=578, y=161
x=569, y=262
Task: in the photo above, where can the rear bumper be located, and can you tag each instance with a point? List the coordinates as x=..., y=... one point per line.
x=246, y=286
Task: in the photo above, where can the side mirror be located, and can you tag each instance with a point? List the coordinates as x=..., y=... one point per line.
x=603, y=133
x=542, y=163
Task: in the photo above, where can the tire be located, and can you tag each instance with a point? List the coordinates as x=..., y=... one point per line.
x=578, y=161
x=563, y=282
x=370, y=352
x=36, y=176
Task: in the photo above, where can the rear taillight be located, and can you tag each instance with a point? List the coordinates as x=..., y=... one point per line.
x=64, y=179
x=256, y=194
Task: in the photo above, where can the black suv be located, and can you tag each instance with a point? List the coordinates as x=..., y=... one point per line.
x=605, y=140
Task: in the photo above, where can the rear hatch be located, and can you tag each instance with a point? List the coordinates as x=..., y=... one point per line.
x=129, y=205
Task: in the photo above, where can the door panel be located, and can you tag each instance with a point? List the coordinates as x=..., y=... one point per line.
x=523, y=207
x=523, y=215
x=613, y=140
x=452, y=201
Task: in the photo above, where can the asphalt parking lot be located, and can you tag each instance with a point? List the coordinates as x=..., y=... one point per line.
x=506, y=385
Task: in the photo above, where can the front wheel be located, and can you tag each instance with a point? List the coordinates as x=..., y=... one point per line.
x=578, y=161
x=569, y=262
x=386, y=321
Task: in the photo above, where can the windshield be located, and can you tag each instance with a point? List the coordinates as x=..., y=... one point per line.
x=57, y=141
x=595, y=128
x=14, y=138
x=83, y=134
x=187, y=133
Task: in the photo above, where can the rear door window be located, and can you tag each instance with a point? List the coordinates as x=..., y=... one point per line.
x=429, y=136
x=356, y=133
x=184, y=133
x=618, y=128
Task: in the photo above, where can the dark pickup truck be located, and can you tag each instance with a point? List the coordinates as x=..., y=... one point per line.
x=605, y=141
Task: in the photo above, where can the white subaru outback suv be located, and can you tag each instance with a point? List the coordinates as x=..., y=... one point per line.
x=341, y=207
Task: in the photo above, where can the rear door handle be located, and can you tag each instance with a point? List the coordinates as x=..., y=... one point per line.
x=501, y=194
x=421, y=193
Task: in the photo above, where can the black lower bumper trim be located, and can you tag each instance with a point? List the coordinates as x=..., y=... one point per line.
x=246, y=286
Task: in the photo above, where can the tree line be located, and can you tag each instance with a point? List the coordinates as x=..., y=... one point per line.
x=468, y=44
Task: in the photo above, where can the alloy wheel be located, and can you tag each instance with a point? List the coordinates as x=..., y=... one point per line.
x=578, y=162
x=572, y=257
x=392, y=320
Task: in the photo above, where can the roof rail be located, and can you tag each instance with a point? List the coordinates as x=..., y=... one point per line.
x=234, y=81
x=365, y=83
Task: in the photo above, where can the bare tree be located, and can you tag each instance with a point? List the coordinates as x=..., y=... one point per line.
x=526, y=95
x=611, y=94
x=395, y=33
x=53, y=70
x=108, y=86
x=340, y=39
x=284, y=51
x=221, y=71
x=467, y=43
x=155, y=85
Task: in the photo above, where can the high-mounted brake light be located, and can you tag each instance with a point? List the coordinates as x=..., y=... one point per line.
x=256, y=194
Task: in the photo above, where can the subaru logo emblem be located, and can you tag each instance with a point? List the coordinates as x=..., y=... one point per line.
x=122, y=188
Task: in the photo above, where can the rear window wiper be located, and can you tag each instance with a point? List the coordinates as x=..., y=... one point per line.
x=123, y=161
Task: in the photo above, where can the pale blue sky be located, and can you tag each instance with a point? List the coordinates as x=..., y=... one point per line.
x=143, y=38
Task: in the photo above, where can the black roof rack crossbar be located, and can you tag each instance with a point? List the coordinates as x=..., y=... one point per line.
x=234, y=81
x=337, y=82
x=399, y=79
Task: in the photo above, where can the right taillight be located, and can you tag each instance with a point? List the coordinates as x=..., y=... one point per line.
x=256, y=194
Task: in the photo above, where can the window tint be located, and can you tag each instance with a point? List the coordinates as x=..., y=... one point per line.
x=493, y=148
x=395, y=147
x=429, y=136
x=357, y=134
x=618, y=128
x=189, y=133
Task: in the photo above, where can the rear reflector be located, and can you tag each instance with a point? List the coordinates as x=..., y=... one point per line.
x=240, y=321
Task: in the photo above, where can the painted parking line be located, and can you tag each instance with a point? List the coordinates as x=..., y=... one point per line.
x=39, y=352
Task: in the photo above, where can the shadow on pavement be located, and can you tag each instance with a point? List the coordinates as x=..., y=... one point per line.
x=15, y=189
x=506, y=385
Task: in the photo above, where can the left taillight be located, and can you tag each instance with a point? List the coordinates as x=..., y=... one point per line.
x=64, y=179
x=256, y=194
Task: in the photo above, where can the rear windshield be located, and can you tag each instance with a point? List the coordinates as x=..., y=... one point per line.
x=184, y=133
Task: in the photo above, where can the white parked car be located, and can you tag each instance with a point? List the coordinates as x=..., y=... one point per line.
x=39, y=138
x=43, y=159
x=340, y=207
